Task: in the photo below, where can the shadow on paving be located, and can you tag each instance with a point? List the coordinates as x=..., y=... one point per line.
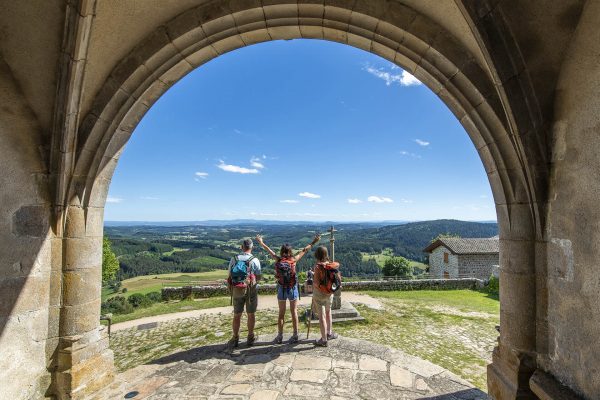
x=468, y=394
x=242, y=355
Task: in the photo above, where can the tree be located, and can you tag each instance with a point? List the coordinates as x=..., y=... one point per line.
x=444, y=235
x=110, y=264
x=397, y=266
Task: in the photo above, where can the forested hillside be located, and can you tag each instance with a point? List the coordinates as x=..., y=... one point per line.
x=144, y=250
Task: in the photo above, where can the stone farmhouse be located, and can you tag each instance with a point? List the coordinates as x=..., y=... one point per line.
x=458, y=257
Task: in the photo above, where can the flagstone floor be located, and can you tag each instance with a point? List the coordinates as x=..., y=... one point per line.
x=346, y=369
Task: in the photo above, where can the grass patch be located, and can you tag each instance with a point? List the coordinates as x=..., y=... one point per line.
x=172, y=307
x=382, y=257
x=175, y=249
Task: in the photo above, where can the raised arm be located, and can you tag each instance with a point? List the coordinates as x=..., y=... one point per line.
x=260, y=241
x=306, y=249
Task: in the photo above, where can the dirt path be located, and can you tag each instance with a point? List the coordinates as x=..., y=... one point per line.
x=265, y=302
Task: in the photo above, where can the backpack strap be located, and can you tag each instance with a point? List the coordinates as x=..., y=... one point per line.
x=248, y=266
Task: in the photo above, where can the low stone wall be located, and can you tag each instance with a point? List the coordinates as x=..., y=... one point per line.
x=194, y=292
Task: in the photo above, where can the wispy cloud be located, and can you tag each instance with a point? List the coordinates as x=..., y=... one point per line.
x=409, y=154
x=111, y=199
x=236, y=169
x=201, y=175
x=237, y=131
x=257, y=162
x=309, y=195
x=354, y=201
x=422, y=142
x=289, y=201
x=149, y=198
x=403, y=78
x=377, y=199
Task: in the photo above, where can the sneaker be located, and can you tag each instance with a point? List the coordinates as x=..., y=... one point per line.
x=294, y=339
x=321, y=343
x=278, y=338
x=251, y=339
x=233, y=342
x=332, y=335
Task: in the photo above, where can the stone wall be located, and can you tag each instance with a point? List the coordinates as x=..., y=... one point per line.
x=179, y=293
x=477, y=265
x=437, y=266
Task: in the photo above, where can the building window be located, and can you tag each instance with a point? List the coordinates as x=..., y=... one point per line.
x=446, y=257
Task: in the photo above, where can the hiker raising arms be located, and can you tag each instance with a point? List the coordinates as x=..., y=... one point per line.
x=244, y=272
x=287, y=289
x=327, y=280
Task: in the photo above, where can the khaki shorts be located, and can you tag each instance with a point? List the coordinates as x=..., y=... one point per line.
x=247, y=297
x=320, y=300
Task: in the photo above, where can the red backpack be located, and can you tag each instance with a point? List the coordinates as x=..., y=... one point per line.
x=285, y=272
x=330, y=279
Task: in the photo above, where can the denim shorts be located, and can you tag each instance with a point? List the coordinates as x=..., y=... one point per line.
x=287, y=293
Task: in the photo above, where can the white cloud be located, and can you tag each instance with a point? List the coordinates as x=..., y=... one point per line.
x=409, y=79
x=289, y=201
x=309, y=195
x=354, y=201
x=403, y=79
x=422, y=142
x=149, y=198
x=237, y=131
x=408, y=154
x=201, y=175
x=110, y=199
x=256, y=162
x=236, y=169
x=377, y=199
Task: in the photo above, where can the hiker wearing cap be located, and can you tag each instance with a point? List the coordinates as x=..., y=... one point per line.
x=244, y=273
x=287, y=287
x=327, y=280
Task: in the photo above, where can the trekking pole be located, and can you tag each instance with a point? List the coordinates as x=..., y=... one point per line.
x=308, y=317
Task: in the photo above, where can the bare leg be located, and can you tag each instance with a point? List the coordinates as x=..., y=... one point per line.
x=281, y=318
x=294, y=312
x=322, y=324
x=328, y=319
x=236, y=324
x=251, y=321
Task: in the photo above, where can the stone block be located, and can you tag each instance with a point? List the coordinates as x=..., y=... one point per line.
x=311, y=32
x=202, y=56
x=264, y=395
x=311, y=10
x=228, y=44
x=294, y=389
x=238, y=388
x=401, y=377
x=81, y=318
x=31, y=221
x=81, y=286
x=284, y=32
x=75, y=222
x=83, y=253
x=359, y=42
x=249, y=15
x=369, y=363
x=24, y=294
x=308, y=375
x=311, y=362
x=335, y=35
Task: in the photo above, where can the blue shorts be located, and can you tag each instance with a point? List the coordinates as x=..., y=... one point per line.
x=287, y=293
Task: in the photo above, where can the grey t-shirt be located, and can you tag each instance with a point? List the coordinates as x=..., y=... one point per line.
x=254, y=264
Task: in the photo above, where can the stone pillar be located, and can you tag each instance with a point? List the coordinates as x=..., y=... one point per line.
x=514, y=359
x=85, y=363
x=336, y=304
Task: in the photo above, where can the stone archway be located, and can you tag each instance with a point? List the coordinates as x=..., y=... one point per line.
x=492, y=104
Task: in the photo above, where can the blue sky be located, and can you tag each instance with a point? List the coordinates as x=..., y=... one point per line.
x=299, y=130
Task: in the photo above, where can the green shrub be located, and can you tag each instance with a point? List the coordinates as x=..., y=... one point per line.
x=117, y=305
x=138, y=300
x=124, y=290
x=397, y=266
x=493, y=286
x=154, y=297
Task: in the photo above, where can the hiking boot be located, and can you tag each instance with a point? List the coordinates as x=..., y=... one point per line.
x=321, y=343
x=294, y=338
x=332, y=335
x=233, y=342
x=251, y=339
x=278, y=338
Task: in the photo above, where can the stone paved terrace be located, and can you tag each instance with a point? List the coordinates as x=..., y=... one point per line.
x=346, y=369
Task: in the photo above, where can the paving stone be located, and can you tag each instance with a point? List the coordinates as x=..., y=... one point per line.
x=265, y=395
x=370, y=363
x=246, y=375
x=345, y=364
x=421, y=385
x=401, y=377
x=308, y=375
x=304, y=389
x=239, y=388
x=311, y=362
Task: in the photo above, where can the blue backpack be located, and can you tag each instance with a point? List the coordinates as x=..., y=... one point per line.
x=240, y=272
